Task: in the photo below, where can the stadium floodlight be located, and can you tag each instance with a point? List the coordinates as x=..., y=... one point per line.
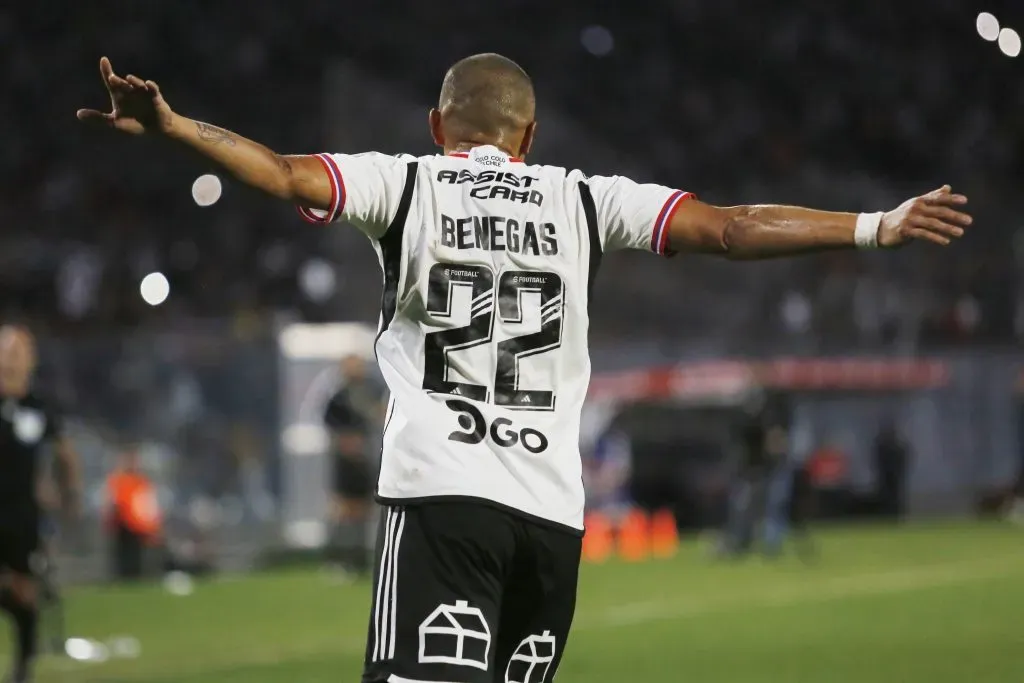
x=206, y=190
x=988, y=26
x=1009, y=42
x=318, y=280
x=597, y=40
x=155, y=289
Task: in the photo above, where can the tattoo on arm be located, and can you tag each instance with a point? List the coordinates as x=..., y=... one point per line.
x=284, y=164
x=214, y=135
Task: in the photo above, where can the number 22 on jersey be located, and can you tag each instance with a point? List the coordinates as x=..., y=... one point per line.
x=507, y=289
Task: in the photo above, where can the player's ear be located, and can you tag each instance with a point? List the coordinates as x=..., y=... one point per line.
x=527, y=143
x=436, y=131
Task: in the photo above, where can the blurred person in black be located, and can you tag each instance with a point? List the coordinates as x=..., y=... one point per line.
x=763, y=456
x=353, y=417
x=892, y=465
x=27, y=425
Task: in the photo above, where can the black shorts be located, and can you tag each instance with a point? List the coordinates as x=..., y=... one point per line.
x=468, y=593
x=18, y=545
x=352, y=478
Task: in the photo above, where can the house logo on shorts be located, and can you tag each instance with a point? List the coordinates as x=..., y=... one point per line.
x=531, y=660
x=455, y=634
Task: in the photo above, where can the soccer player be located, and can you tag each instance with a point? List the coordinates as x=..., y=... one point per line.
x=488, y=263
x=26, y=425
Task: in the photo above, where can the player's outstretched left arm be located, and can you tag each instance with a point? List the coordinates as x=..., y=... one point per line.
x=767, y=231
x=137, y=107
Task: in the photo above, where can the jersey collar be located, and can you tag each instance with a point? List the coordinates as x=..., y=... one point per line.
x=486, y=152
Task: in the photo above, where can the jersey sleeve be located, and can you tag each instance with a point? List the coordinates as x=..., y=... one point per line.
x=633, y=215
x=365, y=191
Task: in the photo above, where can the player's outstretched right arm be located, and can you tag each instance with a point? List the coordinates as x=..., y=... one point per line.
x=137, y=107
x=766, y=231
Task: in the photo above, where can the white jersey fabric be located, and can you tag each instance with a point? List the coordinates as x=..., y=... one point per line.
x=488, y=263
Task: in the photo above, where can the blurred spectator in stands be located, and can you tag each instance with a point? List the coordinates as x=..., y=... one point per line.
x=80, y=232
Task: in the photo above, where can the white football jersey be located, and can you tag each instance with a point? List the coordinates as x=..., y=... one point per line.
x=488, y=264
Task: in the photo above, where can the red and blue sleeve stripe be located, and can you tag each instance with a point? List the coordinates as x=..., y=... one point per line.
x=338, y=194
x=659, y=236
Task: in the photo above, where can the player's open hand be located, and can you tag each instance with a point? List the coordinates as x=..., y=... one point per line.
x=934, y=217
x=136, y=106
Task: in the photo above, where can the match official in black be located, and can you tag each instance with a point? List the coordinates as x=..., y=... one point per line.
x=26, y=426
x=354, y=417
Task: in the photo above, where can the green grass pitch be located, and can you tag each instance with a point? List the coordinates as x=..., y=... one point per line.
x=924, y=603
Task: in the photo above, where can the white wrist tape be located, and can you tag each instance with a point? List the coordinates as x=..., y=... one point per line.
x=865, y=235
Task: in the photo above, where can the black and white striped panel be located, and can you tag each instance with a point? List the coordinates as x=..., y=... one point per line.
x=386, y=600
x=593, y=234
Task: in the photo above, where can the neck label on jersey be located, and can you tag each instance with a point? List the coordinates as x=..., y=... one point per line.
x=487, y=155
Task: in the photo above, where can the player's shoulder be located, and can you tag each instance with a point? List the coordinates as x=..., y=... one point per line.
x=574, y=177
x=378, y=158
x=572, y=183
x=405, y=158
x=570, y=176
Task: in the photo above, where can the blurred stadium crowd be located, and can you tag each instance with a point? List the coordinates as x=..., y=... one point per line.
x=845, y=105
x=788, y=105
